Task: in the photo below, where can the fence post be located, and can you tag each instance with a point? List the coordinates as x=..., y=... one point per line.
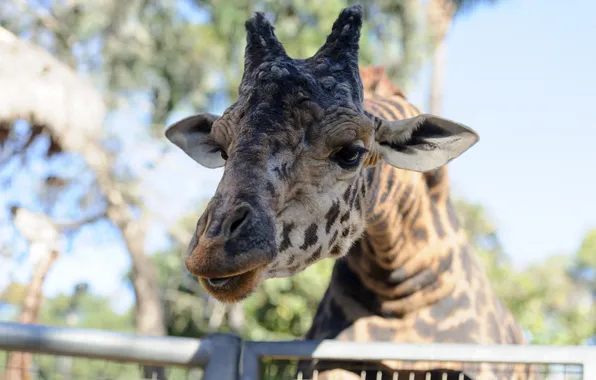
x=589, y=369
x=251, y=361
x=224, y=360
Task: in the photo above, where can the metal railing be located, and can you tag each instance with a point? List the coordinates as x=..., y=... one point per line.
x=115, y=346
x=582, y=357
x=226, y=357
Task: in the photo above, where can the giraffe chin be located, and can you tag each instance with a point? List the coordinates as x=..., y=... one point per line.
x=235, y=288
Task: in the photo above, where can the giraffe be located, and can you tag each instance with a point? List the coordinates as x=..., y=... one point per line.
x=42, y=236
x=378, y=292
x=314, y=168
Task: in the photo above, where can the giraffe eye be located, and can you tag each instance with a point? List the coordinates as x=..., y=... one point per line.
x=349, y=156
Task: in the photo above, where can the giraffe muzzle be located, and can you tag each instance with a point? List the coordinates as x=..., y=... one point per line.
x=235, y=242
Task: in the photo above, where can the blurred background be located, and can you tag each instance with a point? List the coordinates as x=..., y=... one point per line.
x=88, y=87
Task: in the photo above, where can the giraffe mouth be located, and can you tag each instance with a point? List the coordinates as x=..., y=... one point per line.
x=222, y=282
x=234, y=288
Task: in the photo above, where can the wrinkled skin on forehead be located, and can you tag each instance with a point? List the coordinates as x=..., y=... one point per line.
x=294, y=147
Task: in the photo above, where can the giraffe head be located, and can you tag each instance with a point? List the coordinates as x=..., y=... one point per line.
x=294, y=146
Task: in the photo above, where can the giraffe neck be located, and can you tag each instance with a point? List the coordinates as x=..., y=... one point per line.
x=409, y=255
x=413, y=266
x=411, y=252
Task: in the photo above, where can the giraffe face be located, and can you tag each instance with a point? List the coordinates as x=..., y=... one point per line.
x=293, y=147
x=291, y=192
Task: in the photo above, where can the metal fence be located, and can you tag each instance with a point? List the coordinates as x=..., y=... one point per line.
x=226, y=357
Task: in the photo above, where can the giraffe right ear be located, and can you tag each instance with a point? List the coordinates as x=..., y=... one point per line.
x=192, y=135
x=422, y=143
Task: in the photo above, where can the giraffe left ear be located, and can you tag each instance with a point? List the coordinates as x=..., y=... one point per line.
x=192, y=135
x=422, y=143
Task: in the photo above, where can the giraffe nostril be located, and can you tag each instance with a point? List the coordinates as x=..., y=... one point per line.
x=240, y=218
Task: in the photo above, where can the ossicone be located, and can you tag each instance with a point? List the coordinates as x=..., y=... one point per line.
x=261, y=43
x=345, y=35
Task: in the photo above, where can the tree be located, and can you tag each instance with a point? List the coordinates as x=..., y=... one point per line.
x=182, y=52
x=551, y=305
x=30, y=62
x=91, y=312
x=283, y=308
x=19, y=363
x=439, y=17
x=189, y=311
x=42, y=235
x=584, y=264
x=392, y=33
x=160, y=51
x=583, y=271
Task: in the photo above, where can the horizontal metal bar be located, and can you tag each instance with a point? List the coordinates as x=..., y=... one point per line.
x=225, y=350
x=445, y=352
x=106, y=345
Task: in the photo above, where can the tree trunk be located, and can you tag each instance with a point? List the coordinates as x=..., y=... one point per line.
x=435, y=96
x=149, y=319
x=19, y=363
x=74, y=115
x=440, y=15
x=148, y=312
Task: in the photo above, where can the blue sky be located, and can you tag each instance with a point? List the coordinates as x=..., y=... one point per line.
x=522, y=74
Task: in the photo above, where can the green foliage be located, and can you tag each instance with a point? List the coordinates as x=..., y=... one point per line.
x=553, y=299
x=585, y=261
x=93, y=312
x=185, y=308
x=392, y=32
x=551, y=305
x=131, y=47
x=283, y=308
x=463, y=6
x=182, y=52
